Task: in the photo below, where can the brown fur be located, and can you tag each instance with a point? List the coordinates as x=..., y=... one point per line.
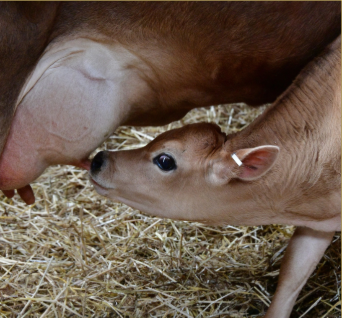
x=252, y=49
x=234, y=51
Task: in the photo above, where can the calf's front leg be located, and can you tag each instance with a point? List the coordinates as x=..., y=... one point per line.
x=305, y=249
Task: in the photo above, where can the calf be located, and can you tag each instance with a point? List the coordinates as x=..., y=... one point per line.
x=85, y=68
x=283, y=168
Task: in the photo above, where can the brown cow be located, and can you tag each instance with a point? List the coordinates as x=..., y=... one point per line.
x=76, y=71
x=284, y=168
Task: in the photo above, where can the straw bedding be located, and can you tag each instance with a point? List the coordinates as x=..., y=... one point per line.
x=76, y=254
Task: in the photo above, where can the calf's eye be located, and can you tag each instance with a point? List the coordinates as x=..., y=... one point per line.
x=165, y=162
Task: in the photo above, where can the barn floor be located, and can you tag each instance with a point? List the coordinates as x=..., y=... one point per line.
x=76, y=254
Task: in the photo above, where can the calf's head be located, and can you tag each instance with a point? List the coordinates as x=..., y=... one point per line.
x=191, y=173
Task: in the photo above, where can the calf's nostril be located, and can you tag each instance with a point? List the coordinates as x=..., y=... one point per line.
x=97, y=162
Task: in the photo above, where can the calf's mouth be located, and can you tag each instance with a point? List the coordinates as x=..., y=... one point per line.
x=96, y=184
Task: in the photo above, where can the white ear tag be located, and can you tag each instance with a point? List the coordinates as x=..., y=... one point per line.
x=236, y=159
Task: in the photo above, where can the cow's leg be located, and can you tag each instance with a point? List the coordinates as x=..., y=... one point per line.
x=303, y=253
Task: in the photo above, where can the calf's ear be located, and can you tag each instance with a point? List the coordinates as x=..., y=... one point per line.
x=244, y=164
x=255, y=162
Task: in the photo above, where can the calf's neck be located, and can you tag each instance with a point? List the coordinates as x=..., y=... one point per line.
x=283, y=168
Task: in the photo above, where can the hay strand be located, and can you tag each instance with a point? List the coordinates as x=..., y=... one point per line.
x=76, y=254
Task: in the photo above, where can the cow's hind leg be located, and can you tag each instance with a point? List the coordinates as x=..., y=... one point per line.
x=303, y=253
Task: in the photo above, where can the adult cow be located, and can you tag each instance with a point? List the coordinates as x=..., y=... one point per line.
x=76, y=71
